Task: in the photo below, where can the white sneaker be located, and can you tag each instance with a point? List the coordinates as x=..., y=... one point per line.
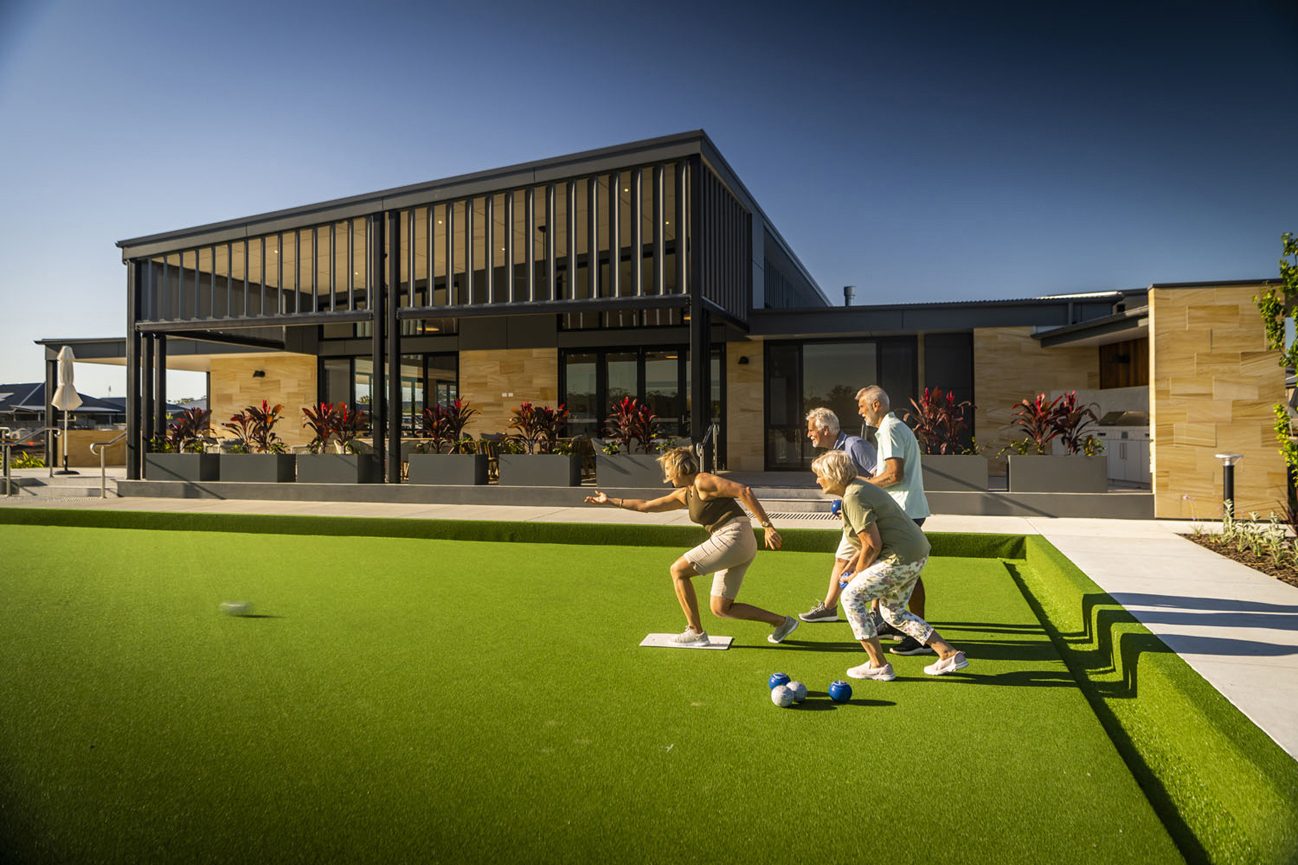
x=781, y=631
x=869, y=671
x=691, y=637
x=947, y=665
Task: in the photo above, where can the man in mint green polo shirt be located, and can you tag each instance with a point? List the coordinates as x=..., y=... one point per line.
x=899, y=473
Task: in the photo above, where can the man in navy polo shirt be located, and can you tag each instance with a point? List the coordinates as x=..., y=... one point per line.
x=824, y=431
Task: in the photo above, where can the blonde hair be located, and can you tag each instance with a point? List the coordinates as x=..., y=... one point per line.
x=824, y=419
x=835, y=466
x=682, y=461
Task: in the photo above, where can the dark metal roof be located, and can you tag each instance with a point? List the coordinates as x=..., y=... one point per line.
x=31, y=397
x=682, y=144
x=1127, y=324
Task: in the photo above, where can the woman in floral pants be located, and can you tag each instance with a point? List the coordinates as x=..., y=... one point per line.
x=890, y=553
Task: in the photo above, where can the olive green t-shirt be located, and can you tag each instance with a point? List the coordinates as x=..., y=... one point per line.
x=863, y=504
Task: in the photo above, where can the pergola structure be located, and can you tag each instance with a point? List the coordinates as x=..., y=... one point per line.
x=660, y=227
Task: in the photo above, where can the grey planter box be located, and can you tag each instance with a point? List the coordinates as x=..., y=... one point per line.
x=258, y=468
x=540, y=470
x=1058, y=474
x=954, y=472
x=457, y=469
x=628, y=470
x=182, y=467
x=337, y=469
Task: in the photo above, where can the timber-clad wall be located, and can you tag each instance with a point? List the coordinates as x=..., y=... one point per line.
x=745, y=393
x=1009, y=365
x=1212, y=387
x=530, y=374
x=290, y=380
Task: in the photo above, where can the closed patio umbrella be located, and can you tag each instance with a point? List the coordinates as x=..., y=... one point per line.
x=66, y=398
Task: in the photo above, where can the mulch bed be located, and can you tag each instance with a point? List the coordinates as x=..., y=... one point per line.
x=1217, y=545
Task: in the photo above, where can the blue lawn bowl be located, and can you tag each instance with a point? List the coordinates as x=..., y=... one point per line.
x=836, y=507
x=778, y=679
x=840, y=691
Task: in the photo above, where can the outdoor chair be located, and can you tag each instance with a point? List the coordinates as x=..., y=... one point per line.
x=489, y=446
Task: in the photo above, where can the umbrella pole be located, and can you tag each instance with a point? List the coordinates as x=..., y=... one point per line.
x=66, y=470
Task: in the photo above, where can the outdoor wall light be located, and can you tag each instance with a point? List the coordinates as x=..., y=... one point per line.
x=259, y=373
x=743, y=360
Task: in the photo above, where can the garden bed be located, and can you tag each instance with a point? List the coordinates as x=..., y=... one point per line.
x=1284, y=572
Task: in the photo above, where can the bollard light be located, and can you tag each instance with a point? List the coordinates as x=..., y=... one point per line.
x=1228, y=462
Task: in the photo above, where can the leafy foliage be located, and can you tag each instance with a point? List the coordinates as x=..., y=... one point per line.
x=939, y=422
x=1275, y=305
x=254, y=429
x=1042, y=420
x=538, y=427
x=189, y=432
x=444, y=425
x=630, y=422
x=27, y=460
x=334, y=423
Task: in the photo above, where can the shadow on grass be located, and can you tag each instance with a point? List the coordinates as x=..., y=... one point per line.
x=257, y=616
x=823, y=703
x=1092, y=661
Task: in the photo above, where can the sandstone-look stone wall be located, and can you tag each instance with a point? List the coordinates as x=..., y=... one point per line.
x=290, y=380
x=530, y=374
x=1010, y=365
x=745, y=393
x=1212, y=385
x=79, y=442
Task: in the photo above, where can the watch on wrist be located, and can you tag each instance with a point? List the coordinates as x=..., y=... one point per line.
x=767, y=524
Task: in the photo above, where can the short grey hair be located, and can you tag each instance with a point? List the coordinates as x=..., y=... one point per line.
x=824, y=419
x=872, y=393
x=835, y=466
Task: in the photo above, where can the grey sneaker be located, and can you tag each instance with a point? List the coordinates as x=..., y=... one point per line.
x=911, y=646
x=868, y=671
x=948, y=665
x=781, y=631
x=691, y=637
x=820, y=613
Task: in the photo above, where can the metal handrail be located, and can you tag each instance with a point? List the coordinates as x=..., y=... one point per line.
x=103, y=460
x=9, y=437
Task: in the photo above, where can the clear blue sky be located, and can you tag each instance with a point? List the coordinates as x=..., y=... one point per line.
x=921, y=151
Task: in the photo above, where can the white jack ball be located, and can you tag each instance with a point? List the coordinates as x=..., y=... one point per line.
x=782, y=696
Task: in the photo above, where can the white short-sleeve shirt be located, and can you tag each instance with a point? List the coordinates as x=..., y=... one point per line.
x=897, y=441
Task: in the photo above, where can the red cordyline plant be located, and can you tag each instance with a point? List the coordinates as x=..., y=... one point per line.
x=538, y=427
x=334, y=423
x=1043, y=420
x=444, y=426
x=1074, y=421
x=189, y=430
x=254, y=429
x=628, y=422
x=939, y=422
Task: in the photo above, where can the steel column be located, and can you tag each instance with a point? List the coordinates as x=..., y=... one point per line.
x=658, y=217
x=700, y=348
x=160, y=386
x=452, y=296
x=551, y=266
x=529, y=237
x=134, y=429
x=489, y=241
x=149, y=369
x=393, y=329
x=509, y=247
x=637, y=231
x=614, y=234
x=374, y=278
x=467, y=300
x=592, y=234
x=681, y=226
x=571, y=192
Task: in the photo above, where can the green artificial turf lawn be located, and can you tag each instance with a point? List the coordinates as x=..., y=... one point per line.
x=432, y=700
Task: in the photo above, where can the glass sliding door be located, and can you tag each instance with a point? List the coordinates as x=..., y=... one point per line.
x=803, y=376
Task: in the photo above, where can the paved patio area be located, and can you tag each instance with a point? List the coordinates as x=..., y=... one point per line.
x=1238, y=628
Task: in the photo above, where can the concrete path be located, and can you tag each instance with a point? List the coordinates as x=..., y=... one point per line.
x=1238, y=628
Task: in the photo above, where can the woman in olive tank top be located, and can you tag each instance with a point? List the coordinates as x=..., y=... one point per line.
x=712, y=502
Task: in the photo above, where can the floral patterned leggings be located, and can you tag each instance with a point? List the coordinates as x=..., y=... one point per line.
x=892, y=585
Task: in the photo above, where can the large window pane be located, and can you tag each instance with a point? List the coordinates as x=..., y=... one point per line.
x=662, y=374
x=337, y=380
x=580, y=374
x=443, y=378
x=623, y=368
